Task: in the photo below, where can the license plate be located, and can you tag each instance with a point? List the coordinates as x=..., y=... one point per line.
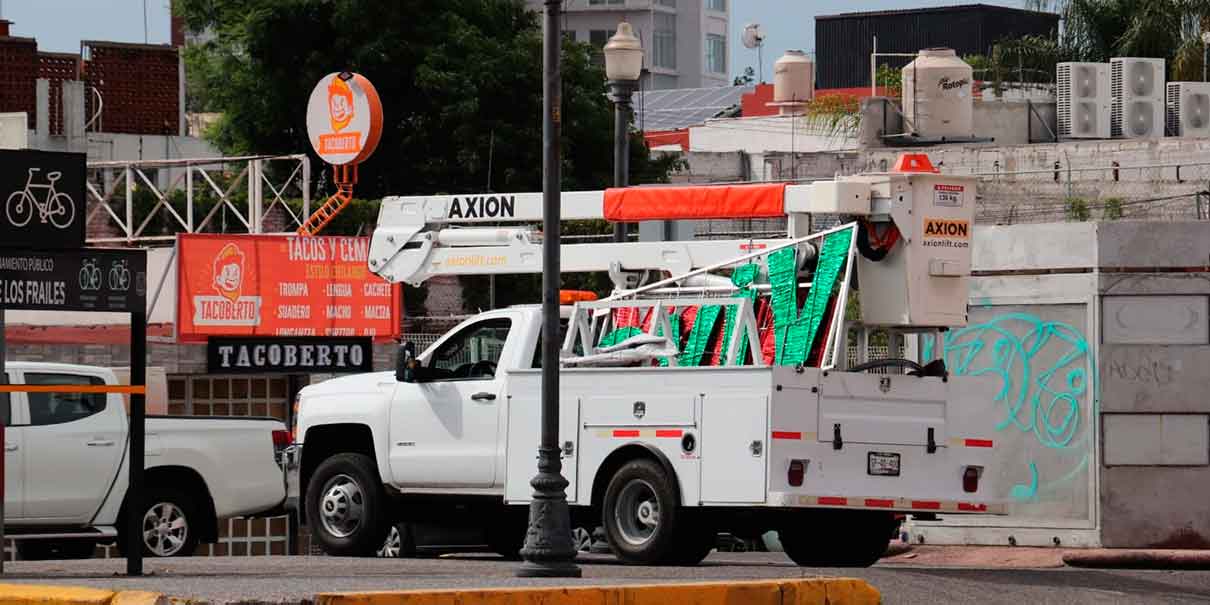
x=883, y=464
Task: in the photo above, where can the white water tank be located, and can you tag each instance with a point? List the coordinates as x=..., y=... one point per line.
x=938, y=95
x=793, y=81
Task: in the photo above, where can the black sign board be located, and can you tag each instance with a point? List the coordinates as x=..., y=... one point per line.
x=43, y=195
x=289, y=355
x=89, y=279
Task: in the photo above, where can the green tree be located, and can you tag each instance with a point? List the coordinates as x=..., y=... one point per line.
x=1095, y=30
x=459, y=80
x=748, y=77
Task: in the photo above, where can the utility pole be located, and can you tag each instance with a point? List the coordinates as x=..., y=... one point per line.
x=549, y=551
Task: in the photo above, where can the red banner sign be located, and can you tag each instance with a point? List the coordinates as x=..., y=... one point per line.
x=281, y=285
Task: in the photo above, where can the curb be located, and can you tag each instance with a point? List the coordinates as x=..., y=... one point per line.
x=29, y=594
x=1139, y=559
x=823, y=591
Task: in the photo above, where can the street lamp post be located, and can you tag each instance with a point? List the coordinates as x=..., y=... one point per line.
x=549, y=551
x=1205, y=52
x=623, y=66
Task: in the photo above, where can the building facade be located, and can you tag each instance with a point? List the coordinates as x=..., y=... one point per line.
x=685, y=42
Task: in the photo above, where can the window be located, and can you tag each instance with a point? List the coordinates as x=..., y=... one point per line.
x=471, y=354
x=670, y=3
x=664, y=53
x=717, y=5
x=6, y=409
x=598, y=38
x=578, y=349
x=716, y=54
x=600, y=2
x=57, y=408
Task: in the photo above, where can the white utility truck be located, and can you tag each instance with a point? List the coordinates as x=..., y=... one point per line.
x=705, y=401
x=66, y=471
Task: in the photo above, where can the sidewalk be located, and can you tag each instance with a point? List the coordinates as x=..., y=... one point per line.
x=1020, y=557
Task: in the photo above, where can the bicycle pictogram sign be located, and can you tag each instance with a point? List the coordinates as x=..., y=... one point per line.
x=54, y=206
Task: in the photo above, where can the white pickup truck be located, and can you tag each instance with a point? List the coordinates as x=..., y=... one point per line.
x=712, y=400
x=65, y=469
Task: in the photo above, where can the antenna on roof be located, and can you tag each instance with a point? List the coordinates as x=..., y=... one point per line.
x=755, y=38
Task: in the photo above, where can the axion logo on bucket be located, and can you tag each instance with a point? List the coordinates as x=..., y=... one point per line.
x=481, y=206
x=230, y=307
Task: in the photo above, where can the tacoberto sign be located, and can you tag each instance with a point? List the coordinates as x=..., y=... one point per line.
x=344, y=118
x=297, y=355
x=77, y=280
x=43, y=196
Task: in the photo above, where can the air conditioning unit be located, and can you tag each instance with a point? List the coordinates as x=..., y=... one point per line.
x=1083, y=100
x=1137, y=88
x=1188, y=109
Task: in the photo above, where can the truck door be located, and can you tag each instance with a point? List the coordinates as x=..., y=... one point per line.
x=14, y=457
x=73, y=445
x=444, y=431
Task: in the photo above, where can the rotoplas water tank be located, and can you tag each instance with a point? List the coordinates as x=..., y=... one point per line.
x=938, y=95
x=793, y=80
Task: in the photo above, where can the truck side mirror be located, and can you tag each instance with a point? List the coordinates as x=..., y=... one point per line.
x=405, y=363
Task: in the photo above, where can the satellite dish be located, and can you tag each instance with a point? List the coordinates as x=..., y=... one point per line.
x=753, y=37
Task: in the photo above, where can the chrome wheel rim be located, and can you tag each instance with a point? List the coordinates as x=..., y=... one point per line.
x=165, y=529
x=393, y=546
x=342, y=506
x=637, y=514
x=582, y=539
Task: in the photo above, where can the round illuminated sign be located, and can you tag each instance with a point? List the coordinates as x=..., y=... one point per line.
x=344, y=118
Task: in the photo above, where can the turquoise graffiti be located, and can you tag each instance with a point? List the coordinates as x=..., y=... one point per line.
x=1047, y=388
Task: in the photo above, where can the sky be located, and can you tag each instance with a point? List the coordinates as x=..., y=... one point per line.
x=59, y=25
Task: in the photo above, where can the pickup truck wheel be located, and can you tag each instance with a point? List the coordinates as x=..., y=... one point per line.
x=399, y=544
x=346, y=506
x=838, y=538
x=641, y=514
x=169, y=524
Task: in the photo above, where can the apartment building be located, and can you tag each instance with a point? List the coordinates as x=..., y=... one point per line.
x=685, y=41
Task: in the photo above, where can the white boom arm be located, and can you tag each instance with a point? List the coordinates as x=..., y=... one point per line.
x=410, y=244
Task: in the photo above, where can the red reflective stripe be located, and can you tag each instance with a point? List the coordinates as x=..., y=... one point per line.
x=879, y=503
x=695, y=202
x=833, y=501
x=978, y=443
x=966, y=506
x=619, y=433
x=926, y=505
x=669, y=433
x=787, y=435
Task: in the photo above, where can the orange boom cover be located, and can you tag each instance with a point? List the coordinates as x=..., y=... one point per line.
x=695, y=203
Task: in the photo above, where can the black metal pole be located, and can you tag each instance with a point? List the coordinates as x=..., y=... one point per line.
x=4, y=401
x=135, y=498
x=621, y=92
x=549, y=550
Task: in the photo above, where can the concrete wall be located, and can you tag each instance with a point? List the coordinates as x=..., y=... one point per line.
x=1155, y=376
x=1099, y=333
x=1015, y=123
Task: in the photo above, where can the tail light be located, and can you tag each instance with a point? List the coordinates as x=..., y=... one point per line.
x=293, y=436
x=970, y=479
x=795, y=473
x=281, y=439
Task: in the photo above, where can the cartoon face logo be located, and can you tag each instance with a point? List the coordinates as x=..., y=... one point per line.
x=229, y=272
x=340, y=104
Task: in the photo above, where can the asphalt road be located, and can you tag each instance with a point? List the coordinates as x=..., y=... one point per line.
x=292, y=579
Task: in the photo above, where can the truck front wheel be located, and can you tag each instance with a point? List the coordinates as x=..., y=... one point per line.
x=641, y=514
x=347, y=506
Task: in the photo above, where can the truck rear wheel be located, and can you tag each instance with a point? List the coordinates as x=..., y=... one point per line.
x=641, y=514
x=347, y=506
x=837, y=538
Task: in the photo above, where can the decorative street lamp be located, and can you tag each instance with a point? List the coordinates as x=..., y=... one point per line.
x=623, y=66
x=549, y=551
x=1205, y=52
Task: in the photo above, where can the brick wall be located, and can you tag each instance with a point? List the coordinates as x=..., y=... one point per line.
x=138, y=84
x=57, y=68
x=18, y=70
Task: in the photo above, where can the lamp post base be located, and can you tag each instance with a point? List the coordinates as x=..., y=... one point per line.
x=549, y=549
